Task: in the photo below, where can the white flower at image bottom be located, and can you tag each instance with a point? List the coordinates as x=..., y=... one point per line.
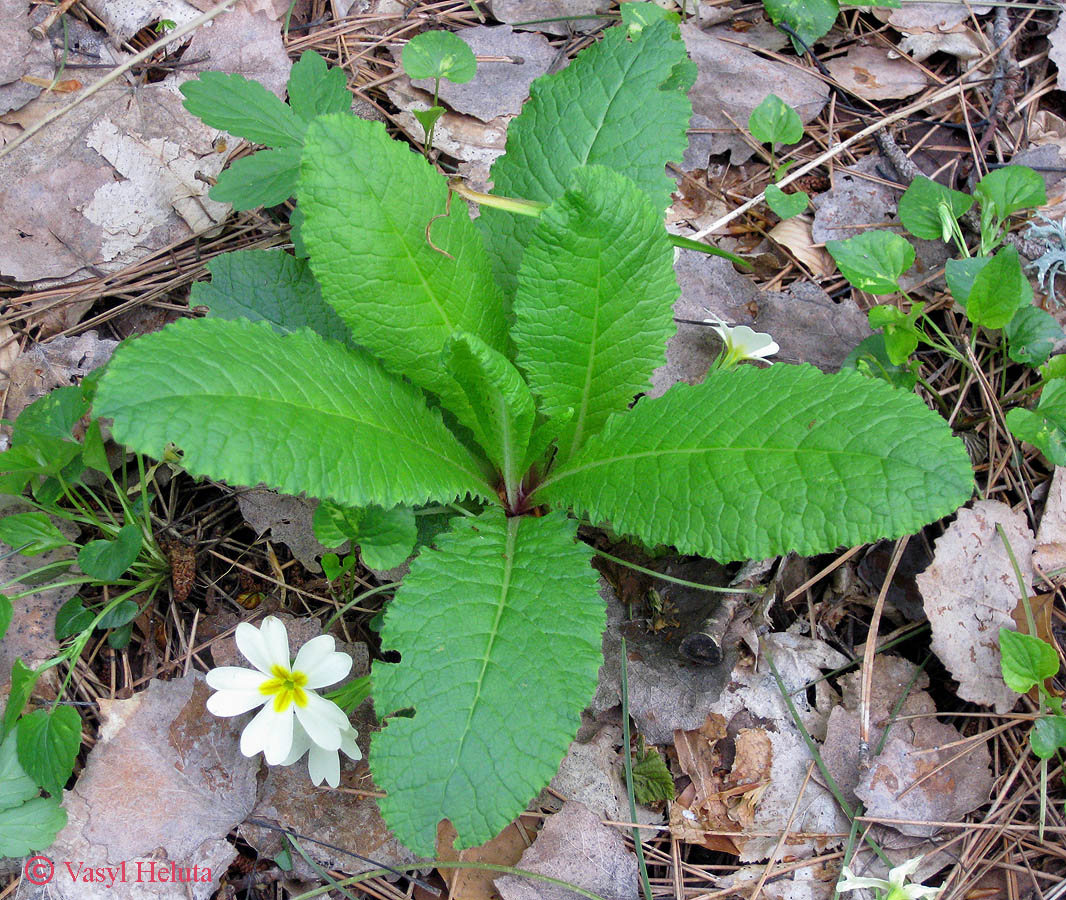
x=322, y=765
x=895, y=887
x=285, y=691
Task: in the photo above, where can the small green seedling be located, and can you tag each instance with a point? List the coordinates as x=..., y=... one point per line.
x=437, y=55
x=776, y=123
x=1028, y=662
x=809, y=20
x=493, y=373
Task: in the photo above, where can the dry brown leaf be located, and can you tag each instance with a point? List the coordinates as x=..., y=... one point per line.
x=503, y=850
x=1049, y=554
x=795, y=235
x=498, y=88
x=929, y=16
x=574, y=846
x=124, y=18
x=165, y=783
x=874, y=74
x=970, y=591
x=731, y=82
x=578, y=14
x=287, y=518
x=23, y=55
x=1057, y=49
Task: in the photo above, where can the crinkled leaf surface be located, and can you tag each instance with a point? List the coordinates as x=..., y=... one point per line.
x=27, y=822
x=499, y=631
x=595, y=299
x=266, y=178
x=47, y=742
x=756, y=462
x=268, y=285
x=242, y=107
x=385, y=537
x=315, y=89
x=367, y=200
x=501, y=410
x=606, y=108
x=294, y=411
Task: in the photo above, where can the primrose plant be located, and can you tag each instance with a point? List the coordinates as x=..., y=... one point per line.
x=494, y=371
x=774, y=122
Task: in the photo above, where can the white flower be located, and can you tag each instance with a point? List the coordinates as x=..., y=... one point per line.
x=895, y=887
x=284, y=691
x=322, y=765
x=741, y=343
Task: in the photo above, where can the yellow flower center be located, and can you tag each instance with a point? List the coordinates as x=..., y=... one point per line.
x=285, y=687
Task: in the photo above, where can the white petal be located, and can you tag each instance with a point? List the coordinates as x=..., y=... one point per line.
x=348, y=744
x=233, y=703
x=269, y=733
x=250, y=643
x=919, y=891
x=904, y=870
x=321, y=663
x=234, y=678
x=851, y=882
x=301, y=743
x=324, y=765
x=323, y=720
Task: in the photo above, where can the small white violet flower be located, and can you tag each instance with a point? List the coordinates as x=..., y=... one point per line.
x=895, y=887
x=322, y=765
x=741, y=343
x=284, y=690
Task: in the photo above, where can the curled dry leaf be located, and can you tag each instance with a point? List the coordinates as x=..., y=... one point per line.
x=970, y=591
x=795, y=235
x=1049, y=553
x=931, y=27
x=288, y=519
x=872, y=73
x=551, y=16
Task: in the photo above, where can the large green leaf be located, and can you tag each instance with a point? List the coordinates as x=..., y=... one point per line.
x=595, y=299
x=27, y=822
x=499, y=632
x=608, y=107
x=501, y=411
x=268, y=285
x=242, y=107
x=756, y=462
x=266, y=178
x=315, y=89
x=367, y=203
x=48, y=741
x=299, y=413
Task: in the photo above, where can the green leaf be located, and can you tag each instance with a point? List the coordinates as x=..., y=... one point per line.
x=352, y=694
x=315, y=89
x=72, y=618
x=1010, y=189
x=266, y=178
x=7, y=611
x=1026, y=660
x=652, y=781
x=23, y=679
x=105, y=560
x=873, y=261
x=242, y=107
x=1031, y=335
x=385, y=537
x=901, y=330
x=402, y=298
x=119, y=615
x=27, y=822
x=427, y=118
x=1054, y=367
x=919, y=208
x=1048, y=736
x=333, y=568
x=1044, y=427
x=272, y=286
x=638, y=15
x=34, y=529
x=48, y=742
x=775, y=122
x=53, y=415
x=960, y=274
x=314, y=416
x=497, y=669
x=998, y=290
x=810, y=19
x=605, y=108
x=38, y=454
x=501, y=411
x=786, y=205
x=595, y=298
x=763, y=461
x=439, y=54
x=95, y=453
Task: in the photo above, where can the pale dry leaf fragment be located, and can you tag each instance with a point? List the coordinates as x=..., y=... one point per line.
x=500, y=87
x=124, y=18
x=970, y=591
x=922, y=44
x=551, y=16
x=1049, y=553
x=574, y=846
x=503, y=850
x=731, y=82
x=795, y=235
x=930, y=16
x=165, y=782
x=1057, y=48
x=871, y=73
x=23, y=55
x=287, y=518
